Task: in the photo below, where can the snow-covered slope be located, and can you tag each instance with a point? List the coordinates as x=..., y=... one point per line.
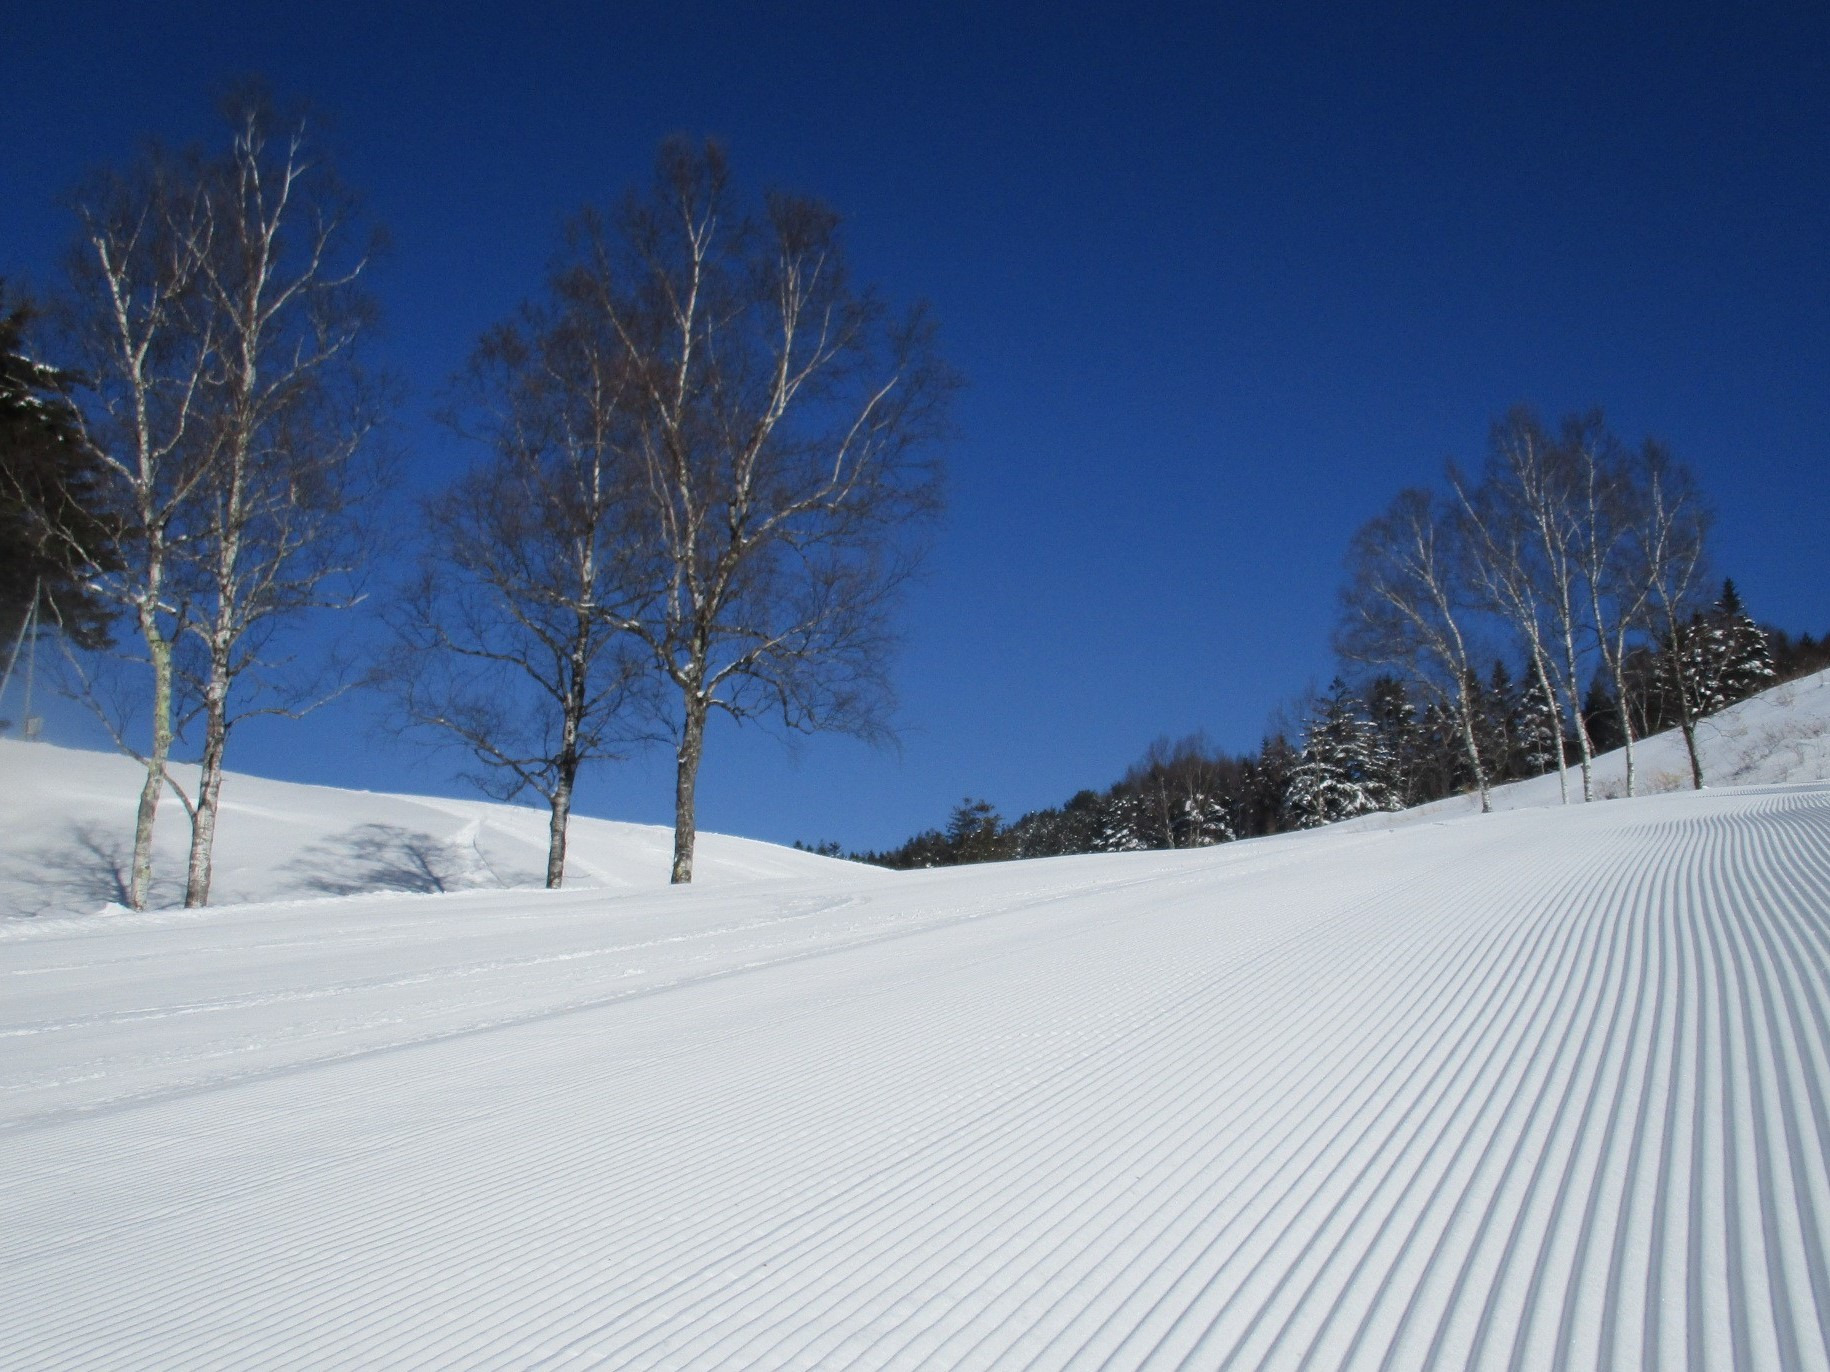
x=66, y=831
x=1781, y=735
x=66, y=823
x=1545, y=1089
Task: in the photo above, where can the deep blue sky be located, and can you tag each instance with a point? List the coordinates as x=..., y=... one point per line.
x=1221, y=283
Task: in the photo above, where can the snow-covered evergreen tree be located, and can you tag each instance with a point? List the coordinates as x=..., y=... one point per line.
x=1539, y=722
x=1394, y=722
x=1202, y=822
x=1700, y=655
x=1501, y=723
x=1744, y=661
x=1122, y=825
x=1343, y=770
x=55, y=528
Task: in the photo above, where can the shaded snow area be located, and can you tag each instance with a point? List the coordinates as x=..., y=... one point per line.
x=1548, y=1089
x=66, y=834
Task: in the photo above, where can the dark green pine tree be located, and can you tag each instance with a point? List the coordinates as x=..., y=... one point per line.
x=975, y=832
x=54, y=532
x=1745, y=662
x=1343, y=770
x=1265, y=788
x=1394, y=721
x=1443, y=768
x=1539, y=724
x=1601, y=717
x=1058, y=830
x=1123, y=823
x=1501, y=724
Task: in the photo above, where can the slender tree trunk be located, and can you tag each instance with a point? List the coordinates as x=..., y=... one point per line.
x=692, y=744
x=1572, y=695
x=1687, y=717
x=562, y=813
x=1689, y=727
x=1585, y=750
x=1616, y=663
x=1473, y=748
x=221, y=645
x=1550, y=699
x=1626, y=729
x=578, y=666
x=209, y=793
x=1466, y=701
x=159, y=653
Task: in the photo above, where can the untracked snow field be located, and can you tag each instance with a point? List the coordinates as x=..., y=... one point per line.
x=1544, y=1089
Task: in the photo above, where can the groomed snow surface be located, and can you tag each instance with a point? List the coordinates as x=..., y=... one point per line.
x=1549, y=1088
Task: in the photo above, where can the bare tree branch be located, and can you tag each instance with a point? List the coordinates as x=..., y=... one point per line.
x=784, y=422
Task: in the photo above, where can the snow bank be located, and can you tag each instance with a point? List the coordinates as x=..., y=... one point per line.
x=66, y=833
x=1541, y=1090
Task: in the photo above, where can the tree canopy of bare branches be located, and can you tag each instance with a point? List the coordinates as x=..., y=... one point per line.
x=1668, y=546
x=217, y=307
x=1582, y=553
x=291, y=410
x=1405, y=605
x=510, y=642
x=139, y=335
x=782, y=454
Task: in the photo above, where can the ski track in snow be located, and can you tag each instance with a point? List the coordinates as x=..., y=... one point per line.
x=1545, y=1090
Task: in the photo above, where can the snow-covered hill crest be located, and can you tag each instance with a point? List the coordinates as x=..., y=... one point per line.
x=66, y=829
x=66, y=819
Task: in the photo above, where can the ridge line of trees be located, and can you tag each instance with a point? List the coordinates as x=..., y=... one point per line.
x=1572, y=554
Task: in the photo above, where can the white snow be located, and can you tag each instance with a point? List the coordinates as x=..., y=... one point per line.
x=1544, y=1089
x=66, y=815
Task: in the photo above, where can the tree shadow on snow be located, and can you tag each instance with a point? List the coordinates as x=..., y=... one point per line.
x=88, y=869
x=382, y=857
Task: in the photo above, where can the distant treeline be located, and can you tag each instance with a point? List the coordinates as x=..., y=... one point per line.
x=1367, y=747
x=1489, y=631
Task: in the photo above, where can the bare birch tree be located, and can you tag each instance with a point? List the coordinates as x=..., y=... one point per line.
x=510, y=643
x=1498, y=566
x=785, y=426
x=1404, y=607
x=145, y=345
x=1609, y=507
x=1180, y=788
x=289, y=413
x=1669, y=544
x=1525, y=535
